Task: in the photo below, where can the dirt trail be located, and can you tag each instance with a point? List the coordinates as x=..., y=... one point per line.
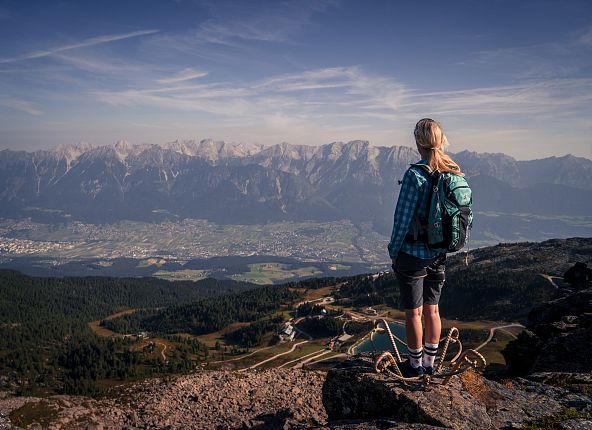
x=308, y=360
x=240, y=357
x=550, y=279
x=492, y=332
x=275, y=356
x=300, y=358
x=164, y=347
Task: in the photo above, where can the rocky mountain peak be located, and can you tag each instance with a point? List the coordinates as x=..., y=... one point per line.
x=123, y=149
x=71, y=152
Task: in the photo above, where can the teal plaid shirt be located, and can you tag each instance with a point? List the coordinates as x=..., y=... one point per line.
x=413, y=199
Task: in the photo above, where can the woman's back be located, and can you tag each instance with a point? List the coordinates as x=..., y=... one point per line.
x=413, y=204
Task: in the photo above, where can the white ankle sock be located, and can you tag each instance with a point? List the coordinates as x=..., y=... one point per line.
x=429, y=354
x=415, y=357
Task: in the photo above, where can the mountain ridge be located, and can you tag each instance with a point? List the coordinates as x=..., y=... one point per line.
x=256, y=184
x=193, y=147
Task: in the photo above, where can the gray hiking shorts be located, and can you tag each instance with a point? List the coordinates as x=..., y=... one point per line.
x=420, y=280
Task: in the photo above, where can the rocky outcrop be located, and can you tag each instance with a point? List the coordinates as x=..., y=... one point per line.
x=578, y=276
x=351, y=397
x=552, y=357
x=571, y=390
x=274, y=398
x=468, y=401
x=558, y=336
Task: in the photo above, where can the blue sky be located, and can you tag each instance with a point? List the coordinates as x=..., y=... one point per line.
x=501, y=76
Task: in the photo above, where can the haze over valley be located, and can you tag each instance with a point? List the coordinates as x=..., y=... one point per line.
x=196, y=200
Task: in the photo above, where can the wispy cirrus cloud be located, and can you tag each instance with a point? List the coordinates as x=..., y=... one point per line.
x=558, y=58
x=85, y=43
x=273, y=22
x=351, y=92
x=184, y=75
x=300, y=94
x=21, y=106
x=528, y=98
x=242, y=31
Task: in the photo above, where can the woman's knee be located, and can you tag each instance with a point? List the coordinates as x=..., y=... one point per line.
x=431, y=311
x=413, y=313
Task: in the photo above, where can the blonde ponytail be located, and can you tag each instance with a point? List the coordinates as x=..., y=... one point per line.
x=430, y=137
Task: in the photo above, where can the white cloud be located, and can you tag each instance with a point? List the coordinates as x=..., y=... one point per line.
x=21, y=105
x=85, y=43
x=183, y=75
x=349, y=92
x=539, y=97
x=307, y=93
x=271, y=22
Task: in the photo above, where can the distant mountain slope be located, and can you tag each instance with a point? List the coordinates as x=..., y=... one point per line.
x=492, y=194
x=567, y=170
x=504, y=281
x=500, y=282
x=240, y=183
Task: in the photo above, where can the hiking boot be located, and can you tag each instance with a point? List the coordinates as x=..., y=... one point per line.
x=409, y=371
x=429, y=370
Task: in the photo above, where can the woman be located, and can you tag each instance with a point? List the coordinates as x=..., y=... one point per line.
x=420, y=270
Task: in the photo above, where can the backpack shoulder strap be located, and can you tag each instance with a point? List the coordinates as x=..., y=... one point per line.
x=424, y=167
x=434, y=175
x=418, y=226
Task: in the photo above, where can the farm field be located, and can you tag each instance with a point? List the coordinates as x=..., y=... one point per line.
x=182, y=275
x=270, y=273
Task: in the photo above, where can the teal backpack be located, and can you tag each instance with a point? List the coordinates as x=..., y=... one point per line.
x=450, y=216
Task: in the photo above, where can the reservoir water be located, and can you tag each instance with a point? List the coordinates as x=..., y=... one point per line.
x=381, y=341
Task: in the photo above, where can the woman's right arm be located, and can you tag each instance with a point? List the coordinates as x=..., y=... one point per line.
x=404, y=211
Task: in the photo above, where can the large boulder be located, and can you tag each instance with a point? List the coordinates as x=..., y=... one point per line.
x=468, y=401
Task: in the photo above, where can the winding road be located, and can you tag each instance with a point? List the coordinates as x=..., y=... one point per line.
x=550, y=279
x=327, y=358
x=240, y=357
x=287, y=363
x=275, y=356
x=492, y=333
x=308, y=360
x=164, y=347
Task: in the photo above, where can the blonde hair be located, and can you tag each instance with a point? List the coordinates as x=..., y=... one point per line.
x=430, y=137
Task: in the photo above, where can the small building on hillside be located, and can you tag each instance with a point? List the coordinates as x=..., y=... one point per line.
x=288, y=333
x=344, y=338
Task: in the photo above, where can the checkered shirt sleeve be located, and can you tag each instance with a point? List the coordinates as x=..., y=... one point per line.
x=406, y=206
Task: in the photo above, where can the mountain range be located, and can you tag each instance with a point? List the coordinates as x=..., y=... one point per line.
x=252, y=183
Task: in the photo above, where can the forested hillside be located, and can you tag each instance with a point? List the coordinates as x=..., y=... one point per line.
x=44, y=327
x=207, y=315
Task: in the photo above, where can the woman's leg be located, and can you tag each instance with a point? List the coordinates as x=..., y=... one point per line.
x=432, y=288
x=433, y=325
x=411, y=272
x=413, y=329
